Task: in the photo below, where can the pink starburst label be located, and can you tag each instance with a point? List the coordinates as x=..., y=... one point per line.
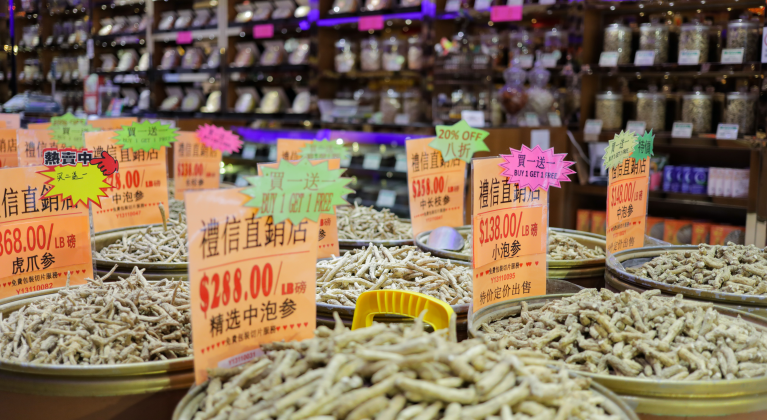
x=219, y=138
x=536, y=168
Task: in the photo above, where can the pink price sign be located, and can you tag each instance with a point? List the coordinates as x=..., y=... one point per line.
x=367, y=23
x=536, y=168
x=184, y=37
x=263, y=31
x=505, y=13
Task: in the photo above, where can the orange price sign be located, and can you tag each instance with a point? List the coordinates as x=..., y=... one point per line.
x=627, y=194
x=41, y=240
x=290, y=149
x=195, y=165
x=31, y=144
x=247, y=288
x=328, y=237
x=10, y=121
x=509, y=235
x=436, y=187
x=9, y=156
x=112, y=123
x=139, y=186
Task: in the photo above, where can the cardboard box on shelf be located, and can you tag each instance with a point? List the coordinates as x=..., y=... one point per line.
x=722, y=234
x=677, y=232
x=655, y=227
x=701, y=232
x=598, y=222
x=583, y=220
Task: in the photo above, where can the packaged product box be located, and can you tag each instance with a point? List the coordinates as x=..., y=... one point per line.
x=655, y=227
x=598, y=222
x=685, y=179
x=583, y=220
x=701, y=232
x=713, y=181
x=668, y=177
x=657, y=170
x=727, y=179
x=722, y=234
x=698, y=180
x=740, y=182
x=677, y=232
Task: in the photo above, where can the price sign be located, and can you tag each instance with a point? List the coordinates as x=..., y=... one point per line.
x=506, y=13
x=482, y=4
x=637, y=127
x=459, y=141
x=146, y=136
x=681, y=130
x=184, y=37
x=195, y=165
x=11, y=121
x=764, y=42
x=246, y=288
x=644, y=58
x=531, y=119
x=526, y=61
x=138, y=188
x=219, y=138
x=328, y=238
x=111, y=124
x=31, y=144
x=263, y=31
x=608, y=59
x=732, y=55
x=689, y=57
x=452, y=5
x=554, y=120
x=386, y=198
x=549, y=60
x=371, y=161
x=9, y=157
x=593, y=127
x=367, y=23
x=727, y=132
x=509, y=228
x=627, y=191
x=42, y=239
x=473, y=118
x=68, y=130
x=249, y=151
x=436, y=187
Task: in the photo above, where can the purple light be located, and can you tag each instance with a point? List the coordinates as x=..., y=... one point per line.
x=266, y=136
x=355, y=19
x=304, y=25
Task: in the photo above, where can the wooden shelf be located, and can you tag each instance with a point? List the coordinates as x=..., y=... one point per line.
x=732, y=203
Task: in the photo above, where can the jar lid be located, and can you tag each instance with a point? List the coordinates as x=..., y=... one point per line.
x=653, y=26
x=693, y=25
x=609, y=95
x=618, y=26
x=653, y=95
x=742, y=23
x=693, y=95
x=741, y=95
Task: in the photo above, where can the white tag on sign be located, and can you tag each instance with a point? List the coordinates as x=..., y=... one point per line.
x=386, y=198
x=482, y=4
x=249, y=151
x=727, y=132
x=89, y=49
x=526, y=61
x=593, y=127
x=636, y=126
x=554, y=120
x=681, y=130
x=372, y=161
x=689, y=57
x=531, y=119
x=240, y=181
x=764, y=42
x=402, y=119
x=540, y=138
x=549, y=60
x=608, y=59
x=547, y=2
x=732, y=55
x=273, y=153
x=453, y=5
x=644, y=58
x=473, y=118
x=401, y=163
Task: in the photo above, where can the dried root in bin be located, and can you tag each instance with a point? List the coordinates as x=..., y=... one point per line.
x=390, y=372
x=636, y=335
x=340, y=281
x=128, y=321
x=560, y=248
x=366, y=223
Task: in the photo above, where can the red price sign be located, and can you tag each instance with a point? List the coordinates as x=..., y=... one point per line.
x=428, y=186
x=197, y=166
x=629, y=185
x=226, y=287
x=509, y=233
x=9, y=157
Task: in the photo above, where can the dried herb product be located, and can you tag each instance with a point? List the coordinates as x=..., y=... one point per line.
x=654, y=37
x=741, y=110
x=744, y=34
x=697, y=108
x=651, y=108
x=609, y=109
x=618, y=39
x=695, y=36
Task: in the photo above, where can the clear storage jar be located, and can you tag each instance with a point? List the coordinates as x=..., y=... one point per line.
x=741, y=110
x=743, y=33
x=694, y=36
x=414, y=53
x=346, y=57
x=393, y=58
x=618, y=39
x=555, y=42
x=520, y=43
x=610, y=110
x=370, y=55
x=651, y=108
x=697, y=108
x=654, y=37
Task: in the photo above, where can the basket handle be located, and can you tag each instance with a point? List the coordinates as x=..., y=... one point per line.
x=403, y=302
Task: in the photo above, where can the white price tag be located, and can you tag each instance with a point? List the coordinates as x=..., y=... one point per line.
x=608, y=59
x=452, y=5
x=764, y=42
x=473, y=118
x=526, y=61
x=89, y=49
x=689, y=57
x=386, y=198
x=514, y=2
x=240, y=181
x=540, y=138
x=593, y=127
x=554, y=120
x=681, y=130
x=402, y=119
x=482, y=4
x=346, y=161
x=372, y=161
x=401, y=163
x=549, y=60
x=636, y=126
x=727, y=132
x=531, y=119
x=249, y=151
x=273, y=153
x=644, y=58
x=732, y=55
x=547, y=2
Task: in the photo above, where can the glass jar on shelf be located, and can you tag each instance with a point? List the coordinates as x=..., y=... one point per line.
x=743, y=33
x=490, y=46
x=370, y=54
x=411, y=105
x=618, y=39
x=346, y=57
x=697, y=108
x=391, y=105
x=694, y=36
x=521, y=44
x=393, y=58
x=651, y=108
x=741, y=110
x=654, y=37
x=513, y=96
x=609, y=110
x=414, y=53
x=555, y=42
x=539, y=96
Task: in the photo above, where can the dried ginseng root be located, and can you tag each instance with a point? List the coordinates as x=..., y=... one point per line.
x=388, y=372
x=155, y=244
x=127, y=321
x=366, y=223
x=340, y=281
x=738, y=269
x=565, y=248
x=636, y=335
